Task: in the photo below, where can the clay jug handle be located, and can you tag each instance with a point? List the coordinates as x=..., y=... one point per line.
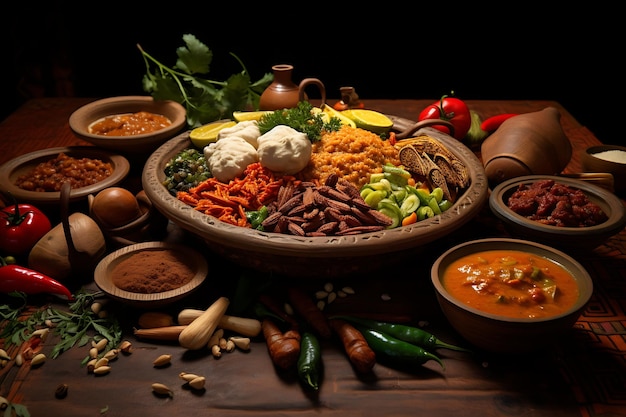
x=424, y=123
x=308, y=81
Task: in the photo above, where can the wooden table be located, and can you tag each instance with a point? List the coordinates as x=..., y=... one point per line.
x=581, y=375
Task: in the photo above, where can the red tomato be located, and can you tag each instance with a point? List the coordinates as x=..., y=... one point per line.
x=21, y=226
x=452, y=110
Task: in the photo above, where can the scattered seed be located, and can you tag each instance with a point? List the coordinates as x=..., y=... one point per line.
x=111, y=354
x=230, y=346
x=216, y=351
x=93, y=352
x=19, y=359
x=341, y=294
x=162, y=389
x=197, y=383
x=96, y=307
x=41, y=333
x=328, y=287
x=4, y=355
x=91, y=365
x=162, y=360
x=222, y=343
x=321, y=304
x=187, y=376
x=126, y=347
x=101, y=362
x=288, y=309
x=101, y=344
x=38, y=359
x=321, y=294
x=102, y=370
x=385, y=297
x=348, y=290
x=332, y=297
x=61, y=391
x=49, y=323
x=242, y=343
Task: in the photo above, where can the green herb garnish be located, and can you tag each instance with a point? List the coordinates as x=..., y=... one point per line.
x=301, y=118
x=205, y=100
x=78, y=326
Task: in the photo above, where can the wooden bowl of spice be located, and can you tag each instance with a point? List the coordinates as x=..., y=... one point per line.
x=128, y=124
x=151, y=274
x=606, y=158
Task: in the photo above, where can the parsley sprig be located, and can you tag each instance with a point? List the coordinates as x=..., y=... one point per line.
x=301, y=118
x=205, y=100
x=75, y=327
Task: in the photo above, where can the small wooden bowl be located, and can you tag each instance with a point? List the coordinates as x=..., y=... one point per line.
x=500, y=334
x=592, y=163
x=82, y=118
x=192, y=258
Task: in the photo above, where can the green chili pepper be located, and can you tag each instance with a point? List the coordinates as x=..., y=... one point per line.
x=310, y=360
x=256, y=217
x=410, y=334
x=396, y=352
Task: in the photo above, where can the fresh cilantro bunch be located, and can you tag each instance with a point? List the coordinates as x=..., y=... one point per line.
x=205, y=100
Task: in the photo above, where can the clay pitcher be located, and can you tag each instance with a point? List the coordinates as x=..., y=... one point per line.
x=283, y=93
x=527, y=144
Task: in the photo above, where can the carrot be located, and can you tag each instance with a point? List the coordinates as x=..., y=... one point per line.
x=257, y=187
x=359, y=352
x=304, y=305
x=284, y=348
x=410, y=219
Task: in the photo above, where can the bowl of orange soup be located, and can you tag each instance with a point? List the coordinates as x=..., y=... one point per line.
x=510, y=295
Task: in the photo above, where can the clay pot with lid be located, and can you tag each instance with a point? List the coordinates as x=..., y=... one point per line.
x=527, y=144
x=283, y=93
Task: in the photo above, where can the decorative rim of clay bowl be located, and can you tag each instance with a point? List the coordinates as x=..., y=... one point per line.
x=503, y=334
x=564, y=237
x=102, y=274
x=11, y=170
x=82, y=118
x=270, y=247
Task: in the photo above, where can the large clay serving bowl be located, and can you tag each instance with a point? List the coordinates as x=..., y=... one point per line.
x=499, y=333
x=314, y=257
x=22, y=165
x=565, y=238
x=81, y=120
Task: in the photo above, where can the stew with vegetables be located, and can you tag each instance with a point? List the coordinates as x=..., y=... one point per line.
x=512, y=284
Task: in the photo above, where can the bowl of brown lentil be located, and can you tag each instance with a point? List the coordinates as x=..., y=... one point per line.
x=316, y=255
x=37, y=177
x=128, y=124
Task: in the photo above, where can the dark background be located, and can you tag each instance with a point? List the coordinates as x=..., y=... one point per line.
x=384, y=50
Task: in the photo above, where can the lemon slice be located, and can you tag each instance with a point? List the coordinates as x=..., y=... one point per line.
x=242, y=116
x=369, y=120
x=334, y=113
x=205, y=134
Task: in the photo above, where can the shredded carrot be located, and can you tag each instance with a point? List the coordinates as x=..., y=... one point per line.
x=258, y=186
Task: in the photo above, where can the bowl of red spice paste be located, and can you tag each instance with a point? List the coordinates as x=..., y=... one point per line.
x=130, y=124
x=151, y=274
x=566, y=213
x=510, y=295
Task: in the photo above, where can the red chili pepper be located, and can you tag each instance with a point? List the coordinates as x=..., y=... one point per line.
x=492, y=123
x=452, y=110
x=22, y=228
x=19, y=278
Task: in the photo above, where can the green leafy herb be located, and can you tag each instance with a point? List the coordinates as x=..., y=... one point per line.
x=78, y=326
x=301, y=118
x=205, y=100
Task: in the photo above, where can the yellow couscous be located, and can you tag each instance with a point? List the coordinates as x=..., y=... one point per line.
x=351, y=153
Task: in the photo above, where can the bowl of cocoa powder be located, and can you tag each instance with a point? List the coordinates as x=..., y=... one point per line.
x=151, y=274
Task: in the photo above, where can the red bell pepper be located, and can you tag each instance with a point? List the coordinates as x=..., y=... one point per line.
x=492, y=123
x=452, y=110
x=14, y=277
x=21, y=227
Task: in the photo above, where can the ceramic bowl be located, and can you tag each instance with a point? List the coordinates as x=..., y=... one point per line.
x=314, y=257
x=13, y=169
x=565, y=238
x=192, y=258
x=606, y=158
x=84, y=117
x=501, y=334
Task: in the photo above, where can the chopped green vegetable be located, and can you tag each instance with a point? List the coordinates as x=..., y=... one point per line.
x=185, y=170
x=205, y=100
x=300, y=118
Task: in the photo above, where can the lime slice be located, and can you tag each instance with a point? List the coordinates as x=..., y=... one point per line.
x=369, y=120
x=334, y=113
x=242, y=116
x=205, y=134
